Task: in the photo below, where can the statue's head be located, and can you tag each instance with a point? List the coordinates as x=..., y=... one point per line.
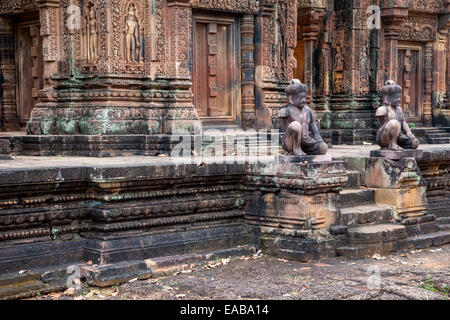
x=391, y=94
x=296, y=93
x=131, y=10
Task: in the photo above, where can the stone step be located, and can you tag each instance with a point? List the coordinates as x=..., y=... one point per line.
x=437, y=134
x=420, y=242
x=443, y=220
x=356, y=197
x=354, y=180
x=373, y=213
x=376, y=234
x=436, y=239
x=444, y=227
x=438, y=140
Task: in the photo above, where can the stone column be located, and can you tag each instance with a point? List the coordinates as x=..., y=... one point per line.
x=8, y=110
x=248, y=71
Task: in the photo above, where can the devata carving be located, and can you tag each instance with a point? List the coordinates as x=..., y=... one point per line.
x=279, y=46
x=302, y=135
x=133, y=47
x=91, y=34
x=394, y=133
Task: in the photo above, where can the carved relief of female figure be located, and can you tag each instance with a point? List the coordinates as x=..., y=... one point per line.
x=92, y=35
x=132, y=42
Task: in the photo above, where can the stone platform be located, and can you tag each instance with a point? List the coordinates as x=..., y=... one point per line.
x=133, y=217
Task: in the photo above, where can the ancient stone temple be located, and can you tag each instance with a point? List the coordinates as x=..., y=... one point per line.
x=347, y=50
x=153, y=67
x=142, y=66
x=86, y=79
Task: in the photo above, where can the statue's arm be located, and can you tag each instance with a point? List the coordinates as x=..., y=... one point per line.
x=314, y=128
x=284, y=114
x=381, y=114
x=407, y=130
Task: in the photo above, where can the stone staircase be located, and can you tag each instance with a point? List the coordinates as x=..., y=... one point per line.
x=367, y=228
x=443, y=223
x=432, y=135
x=437, y=136
x=250, y=144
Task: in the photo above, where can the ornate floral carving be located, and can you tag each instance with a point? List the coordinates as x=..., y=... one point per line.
x=13, y=6
x=244, y=6
x=427, y=4
x=311, y=4
x=417, y=28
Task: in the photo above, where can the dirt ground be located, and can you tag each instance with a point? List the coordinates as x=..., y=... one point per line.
x=420, y=274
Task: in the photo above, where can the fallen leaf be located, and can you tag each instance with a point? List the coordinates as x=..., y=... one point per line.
x=179, y=296
x=22, y=271
x=435, y=250
x=287, y=295
x=305, y=269
x=377, y=256
x=69, y=291
x=225, y=261
x=132, y=280
x=283, y=260
x=162, y=155
x=398, y=260
x=89, y=262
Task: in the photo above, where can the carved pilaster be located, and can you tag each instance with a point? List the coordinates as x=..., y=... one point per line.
x=248, y=70
x=50, y=31
x=179, y=29
x=428, y=89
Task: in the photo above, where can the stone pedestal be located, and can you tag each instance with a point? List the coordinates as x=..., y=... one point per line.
x=397, y=155
x=295, y=203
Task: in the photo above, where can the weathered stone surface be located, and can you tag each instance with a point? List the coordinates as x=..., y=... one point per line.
x=304, y=159
x=397, y=155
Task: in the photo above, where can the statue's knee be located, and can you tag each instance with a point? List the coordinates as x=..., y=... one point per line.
x=394, y=124
x=415, y=144
x=323, y=148
x=295, y=127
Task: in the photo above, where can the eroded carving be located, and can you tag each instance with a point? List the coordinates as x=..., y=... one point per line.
x=302, y=135
x=394, y=133
x=133, y=47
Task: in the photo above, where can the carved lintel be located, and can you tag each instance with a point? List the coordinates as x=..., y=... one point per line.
x=241, y=6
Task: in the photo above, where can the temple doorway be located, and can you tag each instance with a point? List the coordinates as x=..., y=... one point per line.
x=216, y=68
x=29, y=62
x=411, y=79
